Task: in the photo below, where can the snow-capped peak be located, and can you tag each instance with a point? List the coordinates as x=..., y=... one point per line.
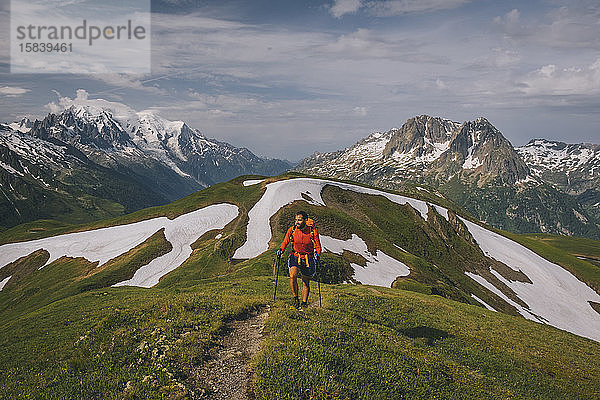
x=556, y=156
x=23, y=126
x=145, y=129
x=146, y=124
x=113, y=133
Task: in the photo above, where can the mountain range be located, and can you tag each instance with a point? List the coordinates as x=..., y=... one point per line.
x=98, y=159
x=544, y=186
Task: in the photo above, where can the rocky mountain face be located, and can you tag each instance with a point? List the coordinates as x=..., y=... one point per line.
x=98, y=159
x=52, y=179
x=428, y=147
x=473, y=164
x=573, y=168
x=116, y=135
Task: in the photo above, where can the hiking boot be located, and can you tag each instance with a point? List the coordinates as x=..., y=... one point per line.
x=296, y=302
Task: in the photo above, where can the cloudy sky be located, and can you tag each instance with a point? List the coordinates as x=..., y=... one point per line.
x=286, y=78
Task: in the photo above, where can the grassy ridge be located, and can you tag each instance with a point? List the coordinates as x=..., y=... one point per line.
x=65, y=334
x=365, y=343
x=228, y=192
x=574, y=245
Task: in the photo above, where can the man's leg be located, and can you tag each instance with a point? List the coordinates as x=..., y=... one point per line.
x=294, y=281
x=305, y=288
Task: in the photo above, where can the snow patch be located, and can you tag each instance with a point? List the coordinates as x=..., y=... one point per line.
x=400, y=248
x=579, y=216
x=10, y=169
x=527, y=179
x=543, y=154
x=251, y=182
x=483, y=282
x=438, y=150
x=442, y=211
x=4, y=282
x=471, y=162
x=554, y=296
x=23, y=126
x=370, y=148
x=106, y=243
x=281, y=193
x=486, y=305
x=381, y=269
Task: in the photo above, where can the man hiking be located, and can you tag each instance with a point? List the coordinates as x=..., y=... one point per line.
x=305, y=248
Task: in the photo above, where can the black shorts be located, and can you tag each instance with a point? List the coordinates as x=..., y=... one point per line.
x=304, y=269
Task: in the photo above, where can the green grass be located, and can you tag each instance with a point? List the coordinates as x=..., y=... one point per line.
x=577, y=246
x=396, y=344
x=364, y=344
x=90, y=345
x=65, y=333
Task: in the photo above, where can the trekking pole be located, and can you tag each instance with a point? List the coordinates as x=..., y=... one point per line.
x=319, y=276
x=276, y=277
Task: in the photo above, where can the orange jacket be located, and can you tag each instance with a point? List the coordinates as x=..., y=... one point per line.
x=302, y=242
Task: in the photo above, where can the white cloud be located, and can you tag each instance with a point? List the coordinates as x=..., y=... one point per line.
x=441, y=84
x=572, y=26
x=391, y=8
x=65, y=102
x=360, y=111
x=93, y=105
x=343, y=7
x=551, y=80
x=13, y=91
x=121, y=81
x=364, y=44
x=510, y=22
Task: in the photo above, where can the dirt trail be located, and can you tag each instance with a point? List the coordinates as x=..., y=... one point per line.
x=227, y=375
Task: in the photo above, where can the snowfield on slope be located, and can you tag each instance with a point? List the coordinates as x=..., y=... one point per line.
x=556, y=297
x=381, y=269
x=106, y=243
x=281, y=193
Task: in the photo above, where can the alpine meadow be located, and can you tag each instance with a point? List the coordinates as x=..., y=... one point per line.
x=300, y=200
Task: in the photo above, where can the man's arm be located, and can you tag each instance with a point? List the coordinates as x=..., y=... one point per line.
x=286, y=240
x=317, y=242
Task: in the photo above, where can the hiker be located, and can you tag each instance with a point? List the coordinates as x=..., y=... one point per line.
x=306, y=250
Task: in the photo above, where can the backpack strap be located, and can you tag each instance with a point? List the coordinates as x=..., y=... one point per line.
x=312, y=229
x=312, y=235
